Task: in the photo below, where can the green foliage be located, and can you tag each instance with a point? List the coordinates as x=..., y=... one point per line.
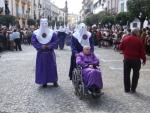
x=31, y=22
x=136, y=7
x=124, y=18
x=7, y=20
x=38, y=22
x=92, y=19
x=109, y=19
x=102, y=17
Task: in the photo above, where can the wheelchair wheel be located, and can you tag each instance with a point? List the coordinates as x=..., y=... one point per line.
x=97, y=95
x=78, y=83
x=76, y=80
x=81, y=91
x=74, y=77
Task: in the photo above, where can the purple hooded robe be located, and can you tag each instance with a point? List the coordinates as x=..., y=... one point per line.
x=46, y=68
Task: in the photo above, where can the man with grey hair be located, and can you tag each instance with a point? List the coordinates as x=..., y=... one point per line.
x=133, y=50
x=16, y=38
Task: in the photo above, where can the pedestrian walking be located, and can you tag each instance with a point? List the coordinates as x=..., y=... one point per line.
x=61, y=36
x=29, y=35
x=17, y=40
x=133, y=50
x=147, y=45
x=99, y=37
x=2, y=38
x=94, y=33
x=143, y=35
x=45, y=41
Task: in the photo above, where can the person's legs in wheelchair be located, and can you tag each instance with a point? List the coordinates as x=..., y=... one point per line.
x=93, y=80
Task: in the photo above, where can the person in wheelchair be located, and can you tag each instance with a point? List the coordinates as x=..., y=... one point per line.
x=80, y=38
x=90, y=70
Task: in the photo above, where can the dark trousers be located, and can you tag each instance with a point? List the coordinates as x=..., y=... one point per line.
x=129, y=65
x=18, y=44
x=61, y=43
x=147, y=48
x=99, y=42
x=72, y=65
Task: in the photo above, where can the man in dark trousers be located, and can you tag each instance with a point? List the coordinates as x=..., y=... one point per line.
x=133, y=50
x=16, y=37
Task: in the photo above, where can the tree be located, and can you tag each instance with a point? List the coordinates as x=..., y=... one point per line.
x=102, y=15
x=108, y=20
x=139, y=9
x=123, y=18
x=38, y=22
x=100, y=18
x=92, y=19
x=7, y=20
x=31, y=22
x=88, y=21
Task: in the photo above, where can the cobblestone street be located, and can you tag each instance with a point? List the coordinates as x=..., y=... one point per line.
x=20, y=94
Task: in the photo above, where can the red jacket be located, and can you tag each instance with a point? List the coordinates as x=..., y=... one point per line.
x=98, y=35
x=133, y=48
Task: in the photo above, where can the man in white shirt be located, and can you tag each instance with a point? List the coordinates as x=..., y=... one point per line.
x=16, y=38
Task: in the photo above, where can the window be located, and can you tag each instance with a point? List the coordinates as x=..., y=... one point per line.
x=23, y=12
x=134, y=24
x=99, y=1
x=122, y=7
x=17, y=10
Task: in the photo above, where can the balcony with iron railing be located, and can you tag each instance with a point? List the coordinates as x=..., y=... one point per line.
x=24, y=16
x=24, y=1
x=17, y=1
x=86, y=2
x=29, y=2
x=18, y=15
x=87, y=11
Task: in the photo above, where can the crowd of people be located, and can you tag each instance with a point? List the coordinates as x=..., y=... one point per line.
x=12, y=38
x=112, y=37
x=102, y=37
x=133, y=43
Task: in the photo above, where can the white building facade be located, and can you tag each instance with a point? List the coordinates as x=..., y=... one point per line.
x=122, y=6
x=87, y=7
x=99, y=6
x=21, y=9
x=2, y=7
x=36, y=9
x=110, y=6
x=45, y=8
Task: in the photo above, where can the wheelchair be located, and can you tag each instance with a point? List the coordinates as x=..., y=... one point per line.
x=80, y=89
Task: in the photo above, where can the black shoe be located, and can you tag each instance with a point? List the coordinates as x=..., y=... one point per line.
x=133, y=91
x=98, y=91
x=56, y=84
x=44, y=86
x=127, y=91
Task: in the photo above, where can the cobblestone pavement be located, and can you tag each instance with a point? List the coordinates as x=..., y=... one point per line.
x=19, y=93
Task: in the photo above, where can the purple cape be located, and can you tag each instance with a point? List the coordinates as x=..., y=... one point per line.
x=46, y=68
